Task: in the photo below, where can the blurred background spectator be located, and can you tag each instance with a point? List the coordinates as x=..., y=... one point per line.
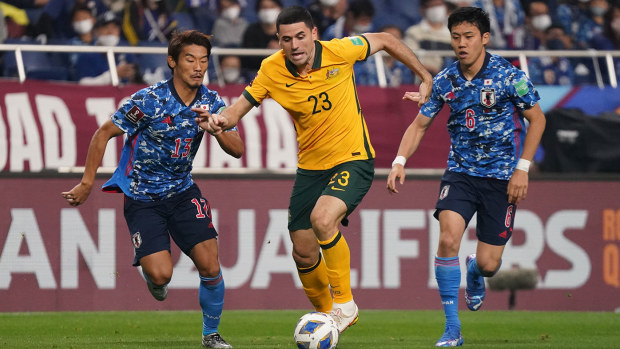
x=506, y=17
x=553, y=70
x=55, y=21
x=537, y=20
x=202, y=14
x=396, y=73
x=93, y=69
x=356, y=20
x=431, y=33
x=82, y=21
x=147, y=21
x=231, y=71
x=229, y=28
x=326, y=12
x=262, y=34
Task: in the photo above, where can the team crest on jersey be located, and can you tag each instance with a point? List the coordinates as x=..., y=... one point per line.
x=134, y=114
x=332, y=73
x=136, y=239
x=444, y=192
x=487, y=97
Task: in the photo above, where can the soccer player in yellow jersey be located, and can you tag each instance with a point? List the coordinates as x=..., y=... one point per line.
x=314, y=81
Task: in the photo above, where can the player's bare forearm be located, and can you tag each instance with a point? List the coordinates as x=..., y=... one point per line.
x=231, y=143
x=537, y=121
x=408, y=145
x=236, y=111
x=78, y=194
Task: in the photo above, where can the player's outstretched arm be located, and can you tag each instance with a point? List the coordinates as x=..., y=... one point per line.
x=227, y=119
x=518, y=184
x=96, y=149
x=400, y=51
x=231, y=142
x=408, y=145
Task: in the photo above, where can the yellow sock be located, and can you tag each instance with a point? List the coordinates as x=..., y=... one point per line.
x=316, y=285
x=338, y=262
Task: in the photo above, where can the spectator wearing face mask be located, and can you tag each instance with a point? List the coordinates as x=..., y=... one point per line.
x=553, y=70
x=93, y=69
x=262, y=34
x=537, y=20
x=55, y=21
x=83, y=22
x=326, y=12
x=431, y=33
x=357, y=20
x=229, y=27
x=231, y=71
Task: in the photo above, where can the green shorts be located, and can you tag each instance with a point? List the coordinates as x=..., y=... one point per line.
x=349, y=181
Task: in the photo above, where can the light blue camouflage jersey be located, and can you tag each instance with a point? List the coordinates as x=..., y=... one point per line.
x=486, y=125
x=162, y=140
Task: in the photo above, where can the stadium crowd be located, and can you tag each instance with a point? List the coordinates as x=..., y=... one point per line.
x=421, y=24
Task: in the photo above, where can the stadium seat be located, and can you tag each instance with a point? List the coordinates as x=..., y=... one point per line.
x=153, y=67
x=37, y=65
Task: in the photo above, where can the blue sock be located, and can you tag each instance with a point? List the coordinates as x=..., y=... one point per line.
x=211, y=296
x=448, y=275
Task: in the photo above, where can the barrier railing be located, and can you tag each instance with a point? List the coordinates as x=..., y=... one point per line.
x=522, y=56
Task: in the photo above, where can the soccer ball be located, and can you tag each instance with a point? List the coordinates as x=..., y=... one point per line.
x=316, y=330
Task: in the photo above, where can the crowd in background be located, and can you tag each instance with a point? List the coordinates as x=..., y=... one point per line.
x=421, y=24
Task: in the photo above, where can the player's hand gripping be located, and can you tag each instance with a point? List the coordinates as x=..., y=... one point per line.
x=397, y=172
x=78, y=194
x=212, y=123
x=517, y=186
x=423, y=94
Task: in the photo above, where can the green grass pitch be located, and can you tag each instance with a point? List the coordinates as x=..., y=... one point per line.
x=274, y=329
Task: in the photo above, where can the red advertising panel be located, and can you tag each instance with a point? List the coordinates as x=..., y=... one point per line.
x=47, y=126
x=57, y=257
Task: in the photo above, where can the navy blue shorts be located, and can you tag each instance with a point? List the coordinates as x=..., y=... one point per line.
x=185, y=217
x=487, y=197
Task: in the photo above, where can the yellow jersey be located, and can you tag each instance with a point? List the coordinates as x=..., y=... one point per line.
x=323, y=103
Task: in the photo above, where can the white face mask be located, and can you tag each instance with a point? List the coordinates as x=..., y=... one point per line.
x=231, y=13
x=108, y=40
x=231, y=74
x=268, y=16
x=436, y=14
x=541, y=22
x=360, y=29
x=82, y=27
x=329, y=3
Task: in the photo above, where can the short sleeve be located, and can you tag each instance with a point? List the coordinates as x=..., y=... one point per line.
x=523, y=93
x=352, y=48
x=435, y=102
x=132, y=115
x=257, y=90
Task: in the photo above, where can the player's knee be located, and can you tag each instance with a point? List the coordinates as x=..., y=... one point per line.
x=305, y=260
x=160, y=277
x=323, y=227
x=488, y=268
x=209, y=271
x=449, y=243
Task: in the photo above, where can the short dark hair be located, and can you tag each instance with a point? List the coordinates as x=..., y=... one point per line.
x=180, y=39
x=473, y=15
x=294, y=14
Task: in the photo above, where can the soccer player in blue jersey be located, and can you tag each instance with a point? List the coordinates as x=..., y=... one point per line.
x=161, y=199
x=489, y=159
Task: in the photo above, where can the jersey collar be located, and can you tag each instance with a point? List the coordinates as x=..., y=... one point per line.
x=174, y=93
x=318, y=59
x=487, y=57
